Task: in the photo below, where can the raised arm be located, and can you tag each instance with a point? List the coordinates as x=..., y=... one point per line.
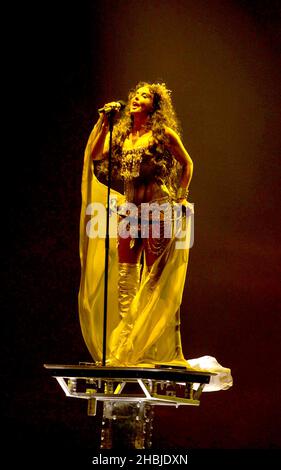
x=100, y=139
x=178, y=150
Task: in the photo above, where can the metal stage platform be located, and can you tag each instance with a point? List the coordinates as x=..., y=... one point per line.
x=129, y=395
x=163, y=385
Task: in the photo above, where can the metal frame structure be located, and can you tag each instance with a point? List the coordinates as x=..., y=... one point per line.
x=162, y=386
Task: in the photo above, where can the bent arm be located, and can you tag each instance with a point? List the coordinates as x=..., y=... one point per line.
x=178, y=150
x=100, y=139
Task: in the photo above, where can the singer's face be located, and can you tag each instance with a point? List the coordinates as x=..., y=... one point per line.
x=142, y=101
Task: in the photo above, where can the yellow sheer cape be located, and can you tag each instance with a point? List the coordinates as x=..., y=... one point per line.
x=150, y=334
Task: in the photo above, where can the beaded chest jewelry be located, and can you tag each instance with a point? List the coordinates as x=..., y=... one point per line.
x=130, y=163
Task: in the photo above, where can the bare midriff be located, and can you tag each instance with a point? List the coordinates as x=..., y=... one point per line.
x=140, y=192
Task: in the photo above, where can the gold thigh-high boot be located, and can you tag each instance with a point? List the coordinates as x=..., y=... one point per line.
x=128, y=285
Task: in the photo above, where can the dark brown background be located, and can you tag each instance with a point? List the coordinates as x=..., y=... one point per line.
x=222, y=61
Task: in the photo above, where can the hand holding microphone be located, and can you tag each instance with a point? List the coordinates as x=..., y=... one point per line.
x=114, y=106
x=108, y=111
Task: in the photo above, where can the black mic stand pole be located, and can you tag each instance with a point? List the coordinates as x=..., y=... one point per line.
x=110, y=116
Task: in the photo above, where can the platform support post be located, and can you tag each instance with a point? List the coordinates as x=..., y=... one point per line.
x=127, y=424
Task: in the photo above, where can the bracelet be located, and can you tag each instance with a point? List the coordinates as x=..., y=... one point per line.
x=182, y=193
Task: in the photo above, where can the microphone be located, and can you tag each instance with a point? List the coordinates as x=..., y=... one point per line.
x=114, y=106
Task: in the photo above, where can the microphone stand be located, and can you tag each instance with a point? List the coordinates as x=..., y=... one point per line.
x=110, y=116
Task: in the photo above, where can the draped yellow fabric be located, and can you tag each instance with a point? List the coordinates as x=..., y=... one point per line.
x=92, y=254
x=150, y=333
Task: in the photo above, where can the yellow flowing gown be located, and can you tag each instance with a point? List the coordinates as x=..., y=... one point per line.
x=150, y=333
